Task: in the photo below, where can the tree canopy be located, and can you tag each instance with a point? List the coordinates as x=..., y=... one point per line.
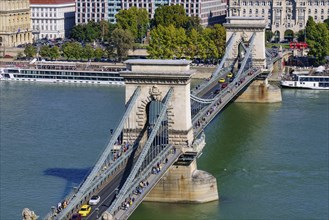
x=317, y=38
x=135, y=20
x=170, y=15
x=121, y=41
x=169, y=42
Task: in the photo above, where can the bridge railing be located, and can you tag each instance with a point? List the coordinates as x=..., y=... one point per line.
x=103, y=168
x=167, y=157
x=206, y=115
x=144, y=152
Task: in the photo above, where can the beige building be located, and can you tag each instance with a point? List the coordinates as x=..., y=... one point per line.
x=15, y=23
x=281, y=15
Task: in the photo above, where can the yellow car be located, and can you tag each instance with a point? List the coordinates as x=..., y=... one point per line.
x=85, y=210
x=230, y=75
x=221, y=80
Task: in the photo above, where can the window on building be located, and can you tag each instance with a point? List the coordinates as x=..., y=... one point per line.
x=244, y=3
x=309, y=11
x=316, y=11
x=250, y=11
x=315, y=17
x=256, y=10
x=263, y=11
x=244, y=11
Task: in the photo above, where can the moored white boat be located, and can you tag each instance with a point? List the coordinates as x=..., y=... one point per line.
x=320, y=82
x=62, y=72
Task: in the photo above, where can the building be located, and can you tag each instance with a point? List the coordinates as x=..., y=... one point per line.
x=15, y=23
x=210, y=11
x=91, y=10
x=52, y=18
x=281, y=15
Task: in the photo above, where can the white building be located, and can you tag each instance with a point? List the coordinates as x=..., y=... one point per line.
x=209, y=11
x=281, y=15
x=52, y=18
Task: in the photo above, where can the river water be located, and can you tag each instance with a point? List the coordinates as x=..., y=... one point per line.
x=270, y=160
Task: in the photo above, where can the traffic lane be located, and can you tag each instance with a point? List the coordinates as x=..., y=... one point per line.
x=107, y=195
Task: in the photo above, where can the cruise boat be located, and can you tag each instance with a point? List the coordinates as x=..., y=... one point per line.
x=318, y=81
x=62, y=72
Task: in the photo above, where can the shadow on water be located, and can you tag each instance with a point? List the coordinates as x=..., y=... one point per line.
x=72, y=176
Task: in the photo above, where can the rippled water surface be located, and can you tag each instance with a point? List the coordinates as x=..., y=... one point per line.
x=270, y=160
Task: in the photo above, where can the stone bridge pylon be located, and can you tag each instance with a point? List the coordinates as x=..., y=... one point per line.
x=244, y=28
x=182, y=182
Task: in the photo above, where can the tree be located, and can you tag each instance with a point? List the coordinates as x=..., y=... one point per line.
x=167, y=42
x=210, y=50
x=78, y=32
x=170, y=15
x=72, y=50
x=268, y=35
x=121, y=41
x=192, y=45
x=219, y=38
x=317, y=40
x=44, y=51
x=30, y=51
x=301, y=35
x=54, y=53
x=88, y=52
x=98, y=53
x=326, y=22
x=135, y=20
x=20, y=55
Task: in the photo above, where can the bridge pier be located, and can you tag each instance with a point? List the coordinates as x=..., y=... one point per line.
x=185, y=184
x=260, y=91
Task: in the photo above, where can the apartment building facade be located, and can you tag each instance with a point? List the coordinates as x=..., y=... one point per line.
x=15, y=23
x=281, y=15
x=52, y=18
x=209, y=11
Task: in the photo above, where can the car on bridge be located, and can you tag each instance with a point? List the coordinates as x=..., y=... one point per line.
x=85, y=210
x=217, y=91
x=230, y=75
x=221, y=80
x=94, y=200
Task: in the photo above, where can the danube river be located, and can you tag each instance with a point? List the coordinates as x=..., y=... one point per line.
x=270, y=160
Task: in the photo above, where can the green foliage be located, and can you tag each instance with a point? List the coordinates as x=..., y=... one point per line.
x=98, y=53
x=72, y=50
x=92, y=31
x=20, y=55
x=135, y=20
x=301, y=35
x=169, y=42
x=326, y=22
x=317, y=40
x=121, y=41
x=30, y=51
x=54, y=53
x=171, y=15
x=268, y=35
x=88, y=52
x=44, y=51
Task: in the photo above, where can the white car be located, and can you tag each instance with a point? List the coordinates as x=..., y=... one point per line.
x=94, y=200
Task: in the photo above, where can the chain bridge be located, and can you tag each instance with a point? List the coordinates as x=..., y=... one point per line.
x=152, y=153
